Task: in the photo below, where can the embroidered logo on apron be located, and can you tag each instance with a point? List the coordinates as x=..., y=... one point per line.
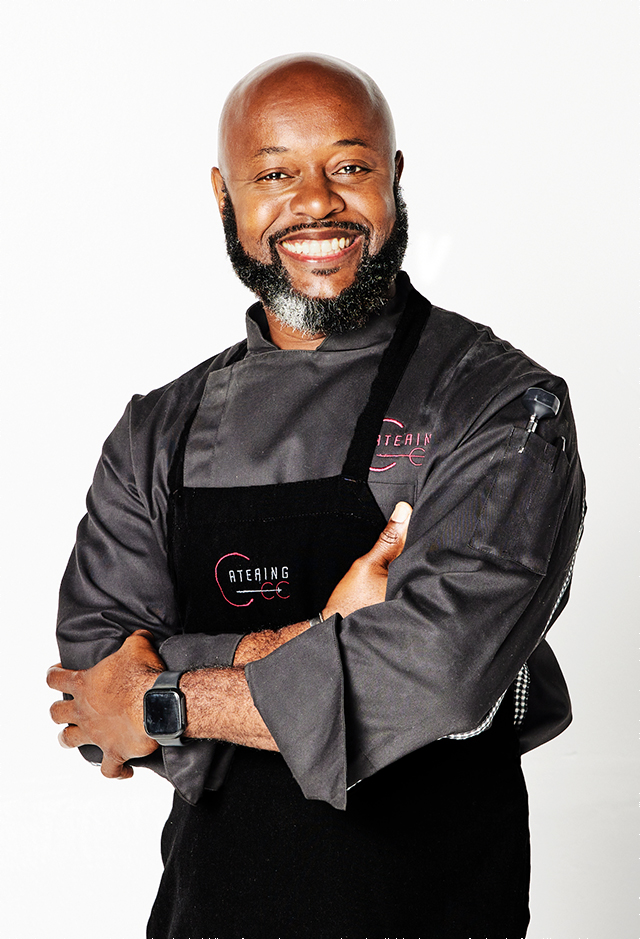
x=242, y=583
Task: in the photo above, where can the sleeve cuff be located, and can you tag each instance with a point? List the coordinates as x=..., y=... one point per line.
x=189, y=651
x=202, y=763
x=299, y=691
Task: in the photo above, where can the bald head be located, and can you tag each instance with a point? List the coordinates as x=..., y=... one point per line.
x=307, y=144
x=290, y=84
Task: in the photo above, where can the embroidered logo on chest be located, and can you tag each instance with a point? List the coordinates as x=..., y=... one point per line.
x=396, y=442
x=241, y=581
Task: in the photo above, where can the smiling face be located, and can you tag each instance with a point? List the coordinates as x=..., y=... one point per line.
x=307, y=163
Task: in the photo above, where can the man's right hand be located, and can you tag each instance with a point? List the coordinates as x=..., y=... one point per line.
x=365, y=583
x=106, y=703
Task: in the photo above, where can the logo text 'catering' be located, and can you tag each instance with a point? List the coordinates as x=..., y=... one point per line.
x=395, y=443
x=240, y=584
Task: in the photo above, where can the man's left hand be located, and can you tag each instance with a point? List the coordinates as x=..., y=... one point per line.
x=106, y=709
x=365, y=583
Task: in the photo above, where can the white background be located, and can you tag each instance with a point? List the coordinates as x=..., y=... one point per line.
x=519, y=127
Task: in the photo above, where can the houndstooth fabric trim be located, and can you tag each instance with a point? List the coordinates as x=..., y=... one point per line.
x=523, y=678
x=521, y=694
x=482, y=726
x=521, y=700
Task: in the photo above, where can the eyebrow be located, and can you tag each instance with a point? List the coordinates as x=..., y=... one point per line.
x=268, y=150
x=351, y=142
x=346, y=142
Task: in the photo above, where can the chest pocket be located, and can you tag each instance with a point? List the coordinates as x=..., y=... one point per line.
x=388, y=494
x=522, y=509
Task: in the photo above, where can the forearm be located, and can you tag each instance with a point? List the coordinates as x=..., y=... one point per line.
x=364, y=584
x=220, y=707
x=257, y=645
x=458, y=624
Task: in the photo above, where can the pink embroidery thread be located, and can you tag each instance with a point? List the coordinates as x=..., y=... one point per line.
x=230, y=555
x=416, y=454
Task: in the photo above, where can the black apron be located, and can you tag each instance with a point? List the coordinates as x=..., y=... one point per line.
x=435, y=845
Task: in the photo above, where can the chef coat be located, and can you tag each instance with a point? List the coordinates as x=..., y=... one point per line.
x=485, y=570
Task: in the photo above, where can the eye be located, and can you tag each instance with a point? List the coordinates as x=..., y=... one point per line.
x=351, y=169
x=274, y=176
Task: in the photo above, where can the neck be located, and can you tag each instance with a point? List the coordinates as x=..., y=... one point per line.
x=285, y=337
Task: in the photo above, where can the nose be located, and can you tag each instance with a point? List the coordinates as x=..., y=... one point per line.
x=316, y=197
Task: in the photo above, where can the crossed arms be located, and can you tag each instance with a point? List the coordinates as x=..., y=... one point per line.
x=489, y=548
x=106, y=700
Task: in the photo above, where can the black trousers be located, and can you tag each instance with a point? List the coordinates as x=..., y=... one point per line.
x=435, y=846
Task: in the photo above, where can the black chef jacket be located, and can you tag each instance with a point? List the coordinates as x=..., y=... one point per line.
x=485, y=570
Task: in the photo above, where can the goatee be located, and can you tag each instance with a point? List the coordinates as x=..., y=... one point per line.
x=312, y=316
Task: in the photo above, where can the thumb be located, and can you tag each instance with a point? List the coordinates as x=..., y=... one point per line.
x=392, y=538
x=145, y=633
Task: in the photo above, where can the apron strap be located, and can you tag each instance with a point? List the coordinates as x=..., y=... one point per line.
x=392, y=366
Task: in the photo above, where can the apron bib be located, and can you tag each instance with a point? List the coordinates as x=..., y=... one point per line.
x=260, y=557
x=434, y=845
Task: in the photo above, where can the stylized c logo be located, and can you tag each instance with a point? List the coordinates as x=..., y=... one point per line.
x=231, y=555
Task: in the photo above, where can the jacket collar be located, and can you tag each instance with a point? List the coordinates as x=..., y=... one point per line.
x=376, y=332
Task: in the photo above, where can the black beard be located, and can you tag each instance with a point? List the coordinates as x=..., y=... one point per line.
x=314, y=316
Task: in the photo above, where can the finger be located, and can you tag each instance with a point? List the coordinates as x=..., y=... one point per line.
x=63, y=712
x=140, y=646
x=142, y=641
x=392, y=538
x=115, y=769
x=62, y=679
x=401, y=514
x=71, y=737
x=145, y=633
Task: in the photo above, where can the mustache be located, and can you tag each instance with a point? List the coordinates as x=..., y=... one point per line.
x=318, y=226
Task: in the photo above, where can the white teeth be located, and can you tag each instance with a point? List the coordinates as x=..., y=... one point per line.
x=318, y=249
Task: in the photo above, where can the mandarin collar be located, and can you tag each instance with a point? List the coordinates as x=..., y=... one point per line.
x=376, y=331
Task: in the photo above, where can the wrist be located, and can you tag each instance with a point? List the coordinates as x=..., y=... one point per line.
x=207, y=692
x=141, y=712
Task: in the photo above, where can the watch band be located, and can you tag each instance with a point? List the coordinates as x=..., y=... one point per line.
x=167, y=681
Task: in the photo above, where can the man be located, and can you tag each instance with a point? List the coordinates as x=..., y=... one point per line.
x=223, y=521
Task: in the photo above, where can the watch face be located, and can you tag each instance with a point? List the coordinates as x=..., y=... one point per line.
x=163, y=714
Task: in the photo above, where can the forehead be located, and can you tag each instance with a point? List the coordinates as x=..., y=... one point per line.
x=303, y=112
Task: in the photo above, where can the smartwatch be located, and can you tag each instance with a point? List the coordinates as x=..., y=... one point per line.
x=165, y=710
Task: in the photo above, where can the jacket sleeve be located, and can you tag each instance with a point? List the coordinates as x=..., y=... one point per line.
x=488, y=554
x=118, y=579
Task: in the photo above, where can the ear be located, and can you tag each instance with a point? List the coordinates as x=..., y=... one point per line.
x=399, y=161
x=219, y=189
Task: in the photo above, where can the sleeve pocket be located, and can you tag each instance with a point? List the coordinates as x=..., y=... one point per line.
x=519, y=517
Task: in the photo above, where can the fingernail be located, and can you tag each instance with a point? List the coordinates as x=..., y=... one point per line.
x=401, y=512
